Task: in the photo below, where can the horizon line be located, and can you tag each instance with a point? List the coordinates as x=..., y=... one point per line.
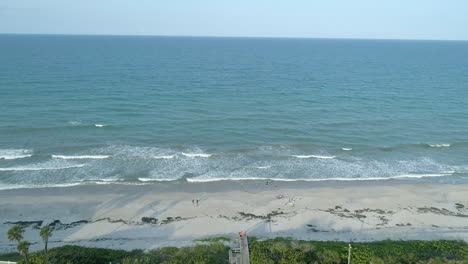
x=212, y=36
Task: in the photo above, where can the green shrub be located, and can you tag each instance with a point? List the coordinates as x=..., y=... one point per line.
x=273, y=251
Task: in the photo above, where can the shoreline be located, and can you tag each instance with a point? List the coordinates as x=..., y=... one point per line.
x=162, y=214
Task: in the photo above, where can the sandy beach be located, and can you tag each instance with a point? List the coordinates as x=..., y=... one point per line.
x=156, y=215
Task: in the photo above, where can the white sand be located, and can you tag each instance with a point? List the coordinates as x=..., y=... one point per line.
x=313, y=211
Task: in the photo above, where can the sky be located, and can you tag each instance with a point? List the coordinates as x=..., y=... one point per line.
x=377, y=19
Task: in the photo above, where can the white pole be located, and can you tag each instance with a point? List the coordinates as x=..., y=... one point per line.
x=349, y=254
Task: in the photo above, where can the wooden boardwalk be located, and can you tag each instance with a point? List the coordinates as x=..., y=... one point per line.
x=240, y=255
x=244, y=246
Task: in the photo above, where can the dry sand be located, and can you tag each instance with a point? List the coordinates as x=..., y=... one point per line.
x=155, y=215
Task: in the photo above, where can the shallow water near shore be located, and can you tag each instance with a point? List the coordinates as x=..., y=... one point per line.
x=95, y=109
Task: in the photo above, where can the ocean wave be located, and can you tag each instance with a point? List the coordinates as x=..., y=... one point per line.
x=41, y=168
x=439, y=145
x=346, y=149
x=263, y=167
x=165, y=157
x=12, y=157
x=80, y=157
x=11, y=154
x=313, y=156
x=100, y=125
x=197, y=155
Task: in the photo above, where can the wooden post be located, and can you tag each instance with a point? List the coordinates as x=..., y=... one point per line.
x=349, y=254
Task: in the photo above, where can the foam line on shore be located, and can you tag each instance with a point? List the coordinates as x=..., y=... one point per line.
x=402, y=176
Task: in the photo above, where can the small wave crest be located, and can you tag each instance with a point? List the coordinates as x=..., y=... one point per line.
x=313, y=156
x=100, y=125
x=11, y=154
x=197, y=155
x=165, y=157
x=346, y=149
x=439, y=145
x=80, y=157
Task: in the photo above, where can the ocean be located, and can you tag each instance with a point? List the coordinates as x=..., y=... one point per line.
x=104, y=109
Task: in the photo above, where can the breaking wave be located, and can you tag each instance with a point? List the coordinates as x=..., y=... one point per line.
x=11, y=154
x=439, y=145
x=42, y=168
x=80, y=157
x=165, y=157
x=196, y=155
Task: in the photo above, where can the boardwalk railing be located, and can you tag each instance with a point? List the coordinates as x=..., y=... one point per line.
x=7, y=262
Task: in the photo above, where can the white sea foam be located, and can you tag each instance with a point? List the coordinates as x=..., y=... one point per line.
x=100, y=125
x=41, y=168
x=313, y=156
x=346, y=149
x=80, y=157
x=22, y=186
x=263, y=167
x=418, y=176
x=165, y=157
x=12, y=157
x=439, y=145
x=196, y=155
x=281, y=179
x=11, y=154
x=155, y=179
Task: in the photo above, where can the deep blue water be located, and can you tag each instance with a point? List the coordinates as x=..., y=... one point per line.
x=88, y=108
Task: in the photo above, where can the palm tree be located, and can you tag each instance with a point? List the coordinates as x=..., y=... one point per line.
x=23, y=249
x=45, y=233
x=15, y=233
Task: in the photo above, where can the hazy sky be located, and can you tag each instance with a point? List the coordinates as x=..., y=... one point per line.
x=400, y=19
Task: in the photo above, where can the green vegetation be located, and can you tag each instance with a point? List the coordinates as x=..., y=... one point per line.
x=292, y=251
x=274, y=251
x=214, y=239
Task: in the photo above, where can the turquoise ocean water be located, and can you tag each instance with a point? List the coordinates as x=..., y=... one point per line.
x=84, y=109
